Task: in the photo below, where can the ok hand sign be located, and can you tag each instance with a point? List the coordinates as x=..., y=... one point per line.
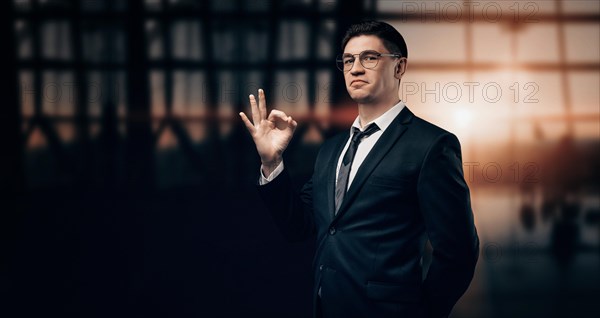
x=271, y=134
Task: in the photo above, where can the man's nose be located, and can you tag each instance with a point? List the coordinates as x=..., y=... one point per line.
x=357, y=68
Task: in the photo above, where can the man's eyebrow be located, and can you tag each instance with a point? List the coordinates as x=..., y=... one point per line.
x=365, y=50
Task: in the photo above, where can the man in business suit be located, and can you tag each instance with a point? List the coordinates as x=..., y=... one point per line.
x=377, y=192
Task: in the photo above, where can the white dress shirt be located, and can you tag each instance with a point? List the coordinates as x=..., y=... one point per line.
x=364, y=147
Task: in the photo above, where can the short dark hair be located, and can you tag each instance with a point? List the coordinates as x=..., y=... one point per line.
x=392, y=39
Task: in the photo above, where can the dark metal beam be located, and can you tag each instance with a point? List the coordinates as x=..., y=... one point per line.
x=241, y=16
x=139, y=141
x=11, y=157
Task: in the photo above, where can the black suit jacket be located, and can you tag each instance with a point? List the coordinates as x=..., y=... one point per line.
x=368, y=256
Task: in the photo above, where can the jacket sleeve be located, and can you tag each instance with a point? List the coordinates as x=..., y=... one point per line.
x=291, y=211
x=446, y=208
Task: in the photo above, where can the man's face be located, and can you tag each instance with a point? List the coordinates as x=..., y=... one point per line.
x=367, y=86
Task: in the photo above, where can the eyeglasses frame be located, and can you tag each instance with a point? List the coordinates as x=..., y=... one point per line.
x=340, y=57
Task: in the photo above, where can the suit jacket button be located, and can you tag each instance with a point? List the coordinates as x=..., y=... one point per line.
x=332, y=231
x=321, y=267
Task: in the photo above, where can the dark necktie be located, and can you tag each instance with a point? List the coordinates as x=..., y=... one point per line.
x=344, y=173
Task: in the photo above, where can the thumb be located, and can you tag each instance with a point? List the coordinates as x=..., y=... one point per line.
x=291, y=122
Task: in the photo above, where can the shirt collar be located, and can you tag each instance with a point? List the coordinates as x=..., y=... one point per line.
x=384, y=120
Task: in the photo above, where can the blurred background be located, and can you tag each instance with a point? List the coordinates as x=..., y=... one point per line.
x=128, y=180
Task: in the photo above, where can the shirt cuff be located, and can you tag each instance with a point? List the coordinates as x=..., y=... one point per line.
x=264, y=180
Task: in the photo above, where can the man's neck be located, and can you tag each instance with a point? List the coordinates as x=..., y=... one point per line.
x=369, y=112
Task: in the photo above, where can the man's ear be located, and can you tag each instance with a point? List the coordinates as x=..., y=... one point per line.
x=401, y=68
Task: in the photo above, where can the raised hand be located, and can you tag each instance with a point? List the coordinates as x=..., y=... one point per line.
x=271, y=134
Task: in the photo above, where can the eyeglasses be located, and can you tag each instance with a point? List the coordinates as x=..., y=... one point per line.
x=368, y=59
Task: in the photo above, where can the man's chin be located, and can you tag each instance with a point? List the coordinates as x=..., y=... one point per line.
x=360, y=97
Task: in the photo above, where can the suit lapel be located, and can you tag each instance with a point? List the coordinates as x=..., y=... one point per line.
x=380, y=149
